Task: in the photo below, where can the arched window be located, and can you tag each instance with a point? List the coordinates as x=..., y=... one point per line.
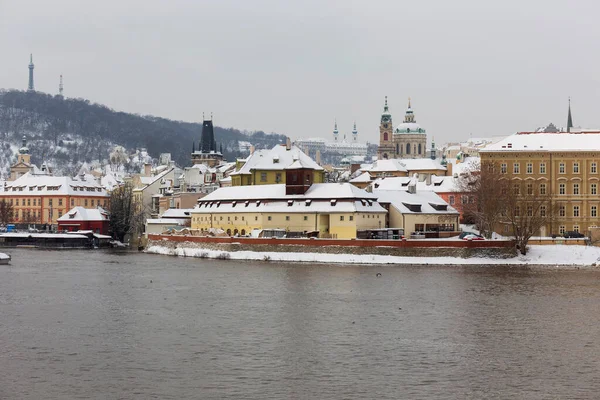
x=235, y=232
x=385, y=136
x=397, y=148
x=243, y=233
x=228, y=232
x=419, y=148
x=407, y=148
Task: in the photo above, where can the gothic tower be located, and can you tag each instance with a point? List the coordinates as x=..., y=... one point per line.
x=30, y=87
x=386, y=140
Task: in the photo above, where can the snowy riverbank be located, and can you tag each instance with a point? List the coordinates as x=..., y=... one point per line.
x=553, y=255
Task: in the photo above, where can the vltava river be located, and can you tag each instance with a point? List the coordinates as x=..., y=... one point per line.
x=91, y=324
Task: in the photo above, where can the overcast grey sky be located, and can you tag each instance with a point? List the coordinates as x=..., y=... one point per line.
x=471, y=67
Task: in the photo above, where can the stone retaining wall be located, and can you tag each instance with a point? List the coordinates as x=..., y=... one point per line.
x=465, y=251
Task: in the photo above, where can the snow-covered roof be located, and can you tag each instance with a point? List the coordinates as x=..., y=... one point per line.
x=547, y=142
x=409, y=127
x=277, y=158
x=84, y=214
x=404, y=165
x=167, y=221
x=38, y=185
x=149, y=180
x=387, y=166
x=177, y=213
x=364, y=177
x=405, y=202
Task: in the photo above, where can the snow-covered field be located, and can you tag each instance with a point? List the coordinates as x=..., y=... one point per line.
x=553, y=256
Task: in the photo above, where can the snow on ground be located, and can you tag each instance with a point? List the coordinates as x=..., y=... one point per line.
x=551, y=255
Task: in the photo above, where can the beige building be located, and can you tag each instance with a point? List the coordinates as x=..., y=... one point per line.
x=564, y=164
x=332, y=209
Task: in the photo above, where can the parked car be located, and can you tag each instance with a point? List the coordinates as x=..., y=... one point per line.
x=573, y=234
x=473, y=236
x=463, y=234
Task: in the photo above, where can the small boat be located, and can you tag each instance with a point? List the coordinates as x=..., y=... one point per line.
x=4, y=259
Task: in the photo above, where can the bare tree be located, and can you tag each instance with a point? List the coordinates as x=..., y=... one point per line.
x=6, y=212
x=126, y=215
x=483, y=186
x=528, y=207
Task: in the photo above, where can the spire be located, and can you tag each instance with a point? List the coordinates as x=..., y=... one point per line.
x=31, y=87
x=60, y=87
x=354, y=129
x=354, y=133
x=385, y=107
x=193, y=146
x=409, y=116
x=569, y=118
x=335, y=130
x=409, y=103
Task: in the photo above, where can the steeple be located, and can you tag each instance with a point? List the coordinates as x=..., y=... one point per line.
x=31, y=87
x=354, y=133
x=60, y=87
x=409, y=116
x=432, y=155
x=385, y=107
x=335, y=131
x=569, y=118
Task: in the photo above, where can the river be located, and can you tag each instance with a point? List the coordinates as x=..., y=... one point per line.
x=102, y=325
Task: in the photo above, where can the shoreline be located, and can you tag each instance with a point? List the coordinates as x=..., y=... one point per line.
x=565, y=257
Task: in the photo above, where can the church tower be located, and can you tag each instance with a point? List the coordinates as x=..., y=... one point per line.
x=31, y=87
x=336, y=133
x=386, y=140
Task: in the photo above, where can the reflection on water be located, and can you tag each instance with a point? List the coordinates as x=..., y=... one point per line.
x=79, y=324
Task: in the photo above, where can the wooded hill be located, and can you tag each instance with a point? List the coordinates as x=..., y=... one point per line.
x=76, y=130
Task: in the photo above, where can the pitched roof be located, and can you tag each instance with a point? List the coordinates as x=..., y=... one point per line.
x=402, y=200
x=85, y=214
x=278, y=158
x=546, y=142
x=30, y=184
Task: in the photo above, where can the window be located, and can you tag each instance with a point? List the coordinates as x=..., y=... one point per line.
x=28, y=202
x=278, y=177
x=576, y=188
x=542, y=211
x=269, y=218
x=543, y=188
x=576, y=211
x=594, y=211
x=35, y=202
x=542, y=168
x=85, y=202
x=72, y=202
x=451, y=199
x=17, y=202
x=287, y=217
x=561, y=168
x=464, y=199
x=256, y=218
x=50, y=202
x=594, y=168
x=576, y=228
x=306, y=218
x=561, y=188
x=341, y=217
x=529, y=211
x=516, y=189
x=576, y=168
x=351, y=218
x=503, y=168
x=594, y=188
x=516, y=168
x=561, y=211
x=60, y=202
x=263, y=176
x=561, y=229
x=517, y=211
x=530, y=188
x=529, y=168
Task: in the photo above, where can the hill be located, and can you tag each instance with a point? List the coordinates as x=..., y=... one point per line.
x=67, y=131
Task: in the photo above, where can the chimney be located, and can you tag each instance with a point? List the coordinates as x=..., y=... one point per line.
x=412, y=188
x=288, y=144
x=318, y=157
x=449, y=169
x=354, y=168
x=252, y=148
x=147, y=169
x=428, y=179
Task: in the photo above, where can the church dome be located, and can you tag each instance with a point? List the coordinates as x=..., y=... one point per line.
x=409, y=127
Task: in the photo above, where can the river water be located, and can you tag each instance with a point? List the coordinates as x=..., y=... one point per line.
x=93, y=324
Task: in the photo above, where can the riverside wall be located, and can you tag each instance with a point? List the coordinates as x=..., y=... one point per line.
x=405, y=248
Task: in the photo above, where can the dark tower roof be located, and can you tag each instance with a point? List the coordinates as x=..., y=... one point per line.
x=207, y=140
x=569, y=118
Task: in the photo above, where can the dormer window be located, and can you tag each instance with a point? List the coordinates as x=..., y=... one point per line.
x=290, y=203
x=257, y=203
x=233, y=204
x=308, y=203
x=333, y=202
x=218, y=204
x=247, y=203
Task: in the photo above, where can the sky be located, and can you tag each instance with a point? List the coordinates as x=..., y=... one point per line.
x=472, y=68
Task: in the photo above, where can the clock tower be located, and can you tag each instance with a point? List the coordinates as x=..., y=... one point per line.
x=386, y=140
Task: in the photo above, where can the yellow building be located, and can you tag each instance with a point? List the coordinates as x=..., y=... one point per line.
x=42, y=199
x=336, y=210
x=267, y=167
x=563, y=164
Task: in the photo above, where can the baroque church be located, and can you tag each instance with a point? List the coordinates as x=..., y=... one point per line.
x=407, y=140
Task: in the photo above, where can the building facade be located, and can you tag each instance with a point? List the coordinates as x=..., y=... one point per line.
x=566, y=165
